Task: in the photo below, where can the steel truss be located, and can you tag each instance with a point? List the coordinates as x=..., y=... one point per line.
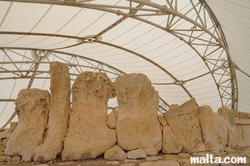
x=200, y=31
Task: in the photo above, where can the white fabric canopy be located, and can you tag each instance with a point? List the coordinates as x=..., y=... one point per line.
x=187, y=49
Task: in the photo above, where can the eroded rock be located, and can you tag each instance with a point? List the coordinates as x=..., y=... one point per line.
x=136, y=154
x=137, y=123
x=58, y=116
x=88, y=135
x=32, y=106
x=228, y=115
x=184, y=122
x=209, y=128
x=115, y=153
x=170, y=143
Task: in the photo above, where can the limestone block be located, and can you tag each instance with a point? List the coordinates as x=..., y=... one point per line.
x=5, y=142
x=209, y=128
x=242, y=121
x=228, y=115
x=170, y=144
x=162, y=120
x=186, y=128
x=88, y=135
x=221, y=127
x=111, y=120
x=12, y=126
x=4, y=158
x=243, y=135
x=3, y=134
x=115, y=153
x=172, y=107
x=186, y=108
x=243, y=115
x=32, y=106
x=199, y=147
x=16, y=158
x=58, y=116
x=136, y=154
x=137, y=123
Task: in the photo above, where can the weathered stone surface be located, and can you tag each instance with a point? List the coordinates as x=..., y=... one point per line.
x=228, y=115
x=5, y=141
x=32, y=106
x=12, y=126
x=243, y=135
x=111, y=120
x=16, y=158
x=58, y=116
x=137, y=124
x=199, y=147
x=115, y=153
x=162, y=120
x=243, y=115
x=209, y=127
x=3, y=134
x=242, y=121
x=185, y=125
x=184, y=109
x=170, y=144
x=88, y=135
x=4, y=158
x=136, y=154
x=222, y=132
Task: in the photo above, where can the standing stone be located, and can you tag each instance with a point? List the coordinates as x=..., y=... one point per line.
x=32, y=106
x=137, y=123
x=88, y=135
x=58, y=116
x=228, y=115
x=222, y=132
x=243, y=136
x=209, y=128
x=170, y=143
x=184, y=122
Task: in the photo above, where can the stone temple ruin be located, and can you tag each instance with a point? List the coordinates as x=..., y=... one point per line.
x=48, y=127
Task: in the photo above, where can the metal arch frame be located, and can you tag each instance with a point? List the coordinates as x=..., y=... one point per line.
x=227, y=84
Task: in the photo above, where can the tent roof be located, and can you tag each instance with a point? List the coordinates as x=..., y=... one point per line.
x=187, y=49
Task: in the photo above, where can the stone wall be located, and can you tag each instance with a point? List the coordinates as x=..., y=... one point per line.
x=134, y=131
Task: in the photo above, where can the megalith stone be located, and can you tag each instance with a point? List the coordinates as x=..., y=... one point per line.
x=184, y=122
x=243, y=136
x=209, y=128
x=115, y=153
x=32, y=106
x=170, y=143
x=228, y=115
x=222, y=132
x=137, y=123
x=58, y=116
x=88, y=135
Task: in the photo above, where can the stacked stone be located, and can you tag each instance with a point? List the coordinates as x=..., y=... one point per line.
x=135, y=131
